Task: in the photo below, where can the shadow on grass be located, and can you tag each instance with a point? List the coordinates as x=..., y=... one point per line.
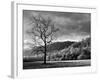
x=39, y=65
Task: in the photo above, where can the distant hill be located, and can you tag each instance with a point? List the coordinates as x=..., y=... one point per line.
x=56, y=46
x=64, y=50
x=78, y=50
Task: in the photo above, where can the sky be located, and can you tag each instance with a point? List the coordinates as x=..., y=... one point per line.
x=73, y=26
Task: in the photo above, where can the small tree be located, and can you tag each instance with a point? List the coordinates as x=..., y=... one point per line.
x=43, y=31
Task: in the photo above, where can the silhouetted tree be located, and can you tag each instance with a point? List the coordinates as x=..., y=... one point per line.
x=43, y=31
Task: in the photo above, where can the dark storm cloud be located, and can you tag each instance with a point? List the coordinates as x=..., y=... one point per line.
x=72, y=25
x=85, y=27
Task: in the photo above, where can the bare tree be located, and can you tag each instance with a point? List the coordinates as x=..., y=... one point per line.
x=43, y=31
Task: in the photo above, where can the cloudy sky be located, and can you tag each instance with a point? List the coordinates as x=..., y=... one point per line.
x=73, y=26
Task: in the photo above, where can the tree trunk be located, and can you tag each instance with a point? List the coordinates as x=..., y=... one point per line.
x=45, y=54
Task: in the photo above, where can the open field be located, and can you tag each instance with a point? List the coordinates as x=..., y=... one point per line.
x=56, y=64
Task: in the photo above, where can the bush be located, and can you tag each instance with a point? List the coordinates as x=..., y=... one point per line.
x=86, y=54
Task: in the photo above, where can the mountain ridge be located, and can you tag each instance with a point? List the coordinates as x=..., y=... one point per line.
x=52, y=47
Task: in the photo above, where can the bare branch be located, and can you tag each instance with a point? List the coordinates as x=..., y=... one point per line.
x=44, y=29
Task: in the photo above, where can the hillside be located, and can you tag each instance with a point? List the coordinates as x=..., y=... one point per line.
x=50, y=48
x=58, y=46
x=78, y=50
x=64, y=51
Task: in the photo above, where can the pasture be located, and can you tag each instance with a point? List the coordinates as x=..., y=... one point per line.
x=56, y=64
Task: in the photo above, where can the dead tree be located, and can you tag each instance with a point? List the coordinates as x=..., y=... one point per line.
x=43, y=32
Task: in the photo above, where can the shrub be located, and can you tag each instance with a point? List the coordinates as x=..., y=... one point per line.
x=86, y=54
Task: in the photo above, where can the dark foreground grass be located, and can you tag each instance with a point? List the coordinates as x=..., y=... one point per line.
x=39, y=64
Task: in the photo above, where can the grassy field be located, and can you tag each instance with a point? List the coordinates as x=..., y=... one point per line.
x=56, y=64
